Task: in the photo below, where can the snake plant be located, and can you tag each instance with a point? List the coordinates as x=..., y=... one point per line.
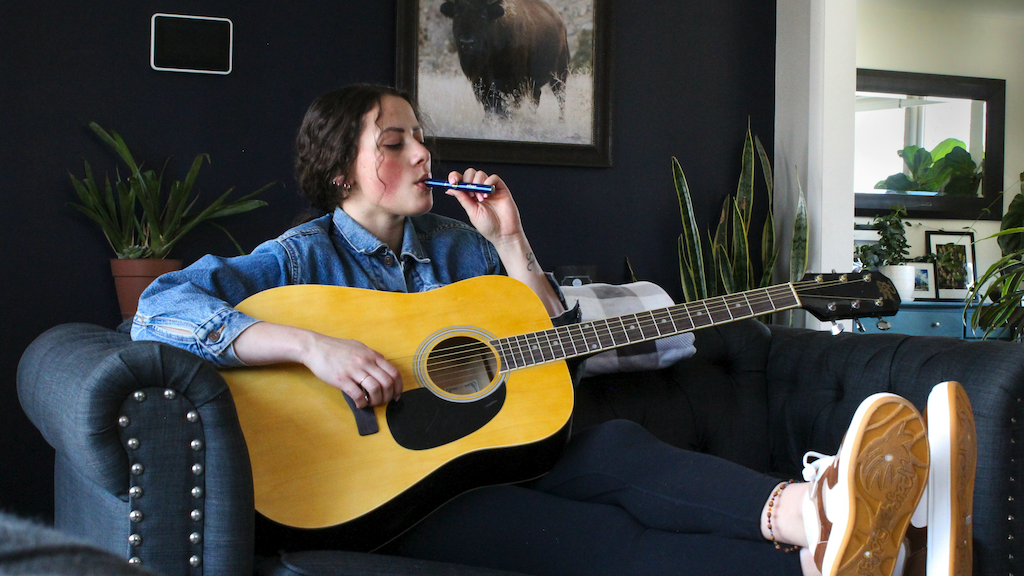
x=725, y=266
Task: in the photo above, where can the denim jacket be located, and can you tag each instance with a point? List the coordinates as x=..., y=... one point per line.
x=193, y=309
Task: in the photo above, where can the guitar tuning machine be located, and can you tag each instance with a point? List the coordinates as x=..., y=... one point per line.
x=883, y=325
x=837, y=328
x=860, y=327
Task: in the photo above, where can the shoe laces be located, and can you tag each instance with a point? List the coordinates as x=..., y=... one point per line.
x=813, y=470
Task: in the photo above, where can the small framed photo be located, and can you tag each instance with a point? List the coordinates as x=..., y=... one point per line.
x=955, y=263
x=924, y=281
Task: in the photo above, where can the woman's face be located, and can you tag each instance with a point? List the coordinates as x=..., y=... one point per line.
x=392, y=162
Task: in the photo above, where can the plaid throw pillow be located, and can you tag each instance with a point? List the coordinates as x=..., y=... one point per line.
x=604, y=301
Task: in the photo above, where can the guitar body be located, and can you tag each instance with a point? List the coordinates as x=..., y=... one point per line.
x=461, y=422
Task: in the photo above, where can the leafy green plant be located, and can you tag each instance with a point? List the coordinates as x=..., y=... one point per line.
x=725, y=266
x=1003, y=281
x=892, y=247
x=143, y=219
x=947, y=169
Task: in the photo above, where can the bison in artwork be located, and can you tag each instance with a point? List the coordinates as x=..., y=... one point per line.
x=510, y=49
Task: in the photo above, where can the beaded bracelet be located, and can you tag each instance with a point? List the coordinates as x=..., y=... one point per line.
x=771, y=504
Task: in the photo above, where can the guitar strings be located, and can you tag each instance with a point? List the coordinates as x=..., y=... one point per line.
x=614, y=332
x=454, y=358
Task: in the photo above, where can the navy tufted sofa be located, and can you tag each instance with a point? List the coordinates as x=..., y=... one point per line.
x=152, y=466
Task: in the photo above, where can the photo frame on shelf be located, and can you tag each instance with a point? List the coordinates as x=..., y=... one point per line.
x=489, y=118
x=924, y=281
x=955, y=263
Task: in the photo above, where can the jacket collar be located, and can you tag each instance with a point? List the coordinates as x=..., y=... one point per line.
x=361, y=240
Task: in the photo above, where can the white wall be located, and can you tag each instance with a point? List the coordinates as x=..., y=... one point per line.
x=815, y=80
x=910, y=38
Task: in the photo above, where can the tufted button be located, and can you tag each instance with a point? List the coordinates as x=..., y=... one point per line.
x=389, y=260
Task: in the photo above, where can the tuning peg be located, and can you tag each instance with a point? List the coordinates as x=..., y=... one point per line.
x=860, y=327
x=883, y=325
x=836, y=328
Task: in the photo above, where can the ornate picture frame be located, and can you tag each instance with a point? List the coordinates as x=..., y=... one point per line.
x=484, y=120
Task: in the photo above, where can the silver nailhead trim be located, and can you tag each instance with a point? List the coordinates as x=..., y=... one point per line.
x=138, y=469
x=192, y=416
x=135, y=539
x=194, y=561
x=195, y=538
x=197, y=492
x=135, y=491
x=139, y=396
x=133, y=443
x=135, y=516
x=123, y=421
x=196, y=515
x=197, y=469
x=196, y=445
x=135, y=560
x=170, y=394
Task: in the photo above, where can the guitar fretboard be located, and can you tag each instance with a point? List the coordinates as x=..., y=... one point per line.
x=596, y=336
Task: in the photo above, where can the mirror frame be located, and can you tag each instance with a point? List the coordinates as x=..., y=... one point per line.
x=993, y=92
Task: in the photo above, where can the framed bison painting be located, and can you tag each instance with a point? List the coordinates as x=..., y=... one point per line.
x=518, y=81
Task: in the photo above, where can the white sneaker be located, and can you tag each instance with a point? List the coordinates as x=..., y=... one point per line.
x=861, y=500
x=947, y=507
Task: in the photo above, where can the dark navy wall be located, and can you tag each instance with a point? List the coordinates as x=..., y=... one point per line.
x=685, y=75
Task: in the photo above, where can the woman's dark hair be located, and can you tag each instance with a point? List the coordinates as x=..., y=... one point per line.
x=328, y=139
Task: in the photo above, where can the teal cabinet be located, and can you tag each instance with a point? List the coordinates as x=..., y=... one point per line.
x=929, y=319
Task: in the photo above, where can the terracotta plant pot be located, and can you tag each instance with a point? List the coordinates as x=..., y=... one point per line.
x=132, y=276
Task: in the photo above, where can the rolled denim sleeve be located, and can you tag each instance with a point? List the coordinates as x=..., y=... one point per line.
x=193, y=309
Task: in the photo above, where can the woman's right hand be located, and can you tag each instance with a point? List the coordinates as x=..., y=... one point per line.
x=355, y=369
x=349, y=365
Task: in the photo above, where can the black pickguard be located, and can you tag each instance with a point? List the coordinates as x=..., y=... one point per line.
x=421, y=420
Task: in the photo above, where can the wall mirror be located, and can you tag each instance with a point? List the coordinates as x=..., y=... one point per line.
x=931, y=143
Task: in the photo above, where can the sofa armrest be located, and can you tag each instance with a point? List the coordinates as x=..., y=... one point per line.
x=151, y=462
x=816, y=381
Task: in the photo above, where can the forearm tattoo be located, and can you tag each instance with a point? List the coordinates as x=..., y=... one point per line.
x=529, y=261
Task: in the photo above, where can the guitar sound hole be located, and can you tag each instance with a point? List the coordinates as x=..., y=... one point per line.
x=461, y=366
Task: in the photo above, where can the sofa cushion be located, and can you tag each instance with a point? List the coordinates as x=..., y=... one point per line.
x=338, y=563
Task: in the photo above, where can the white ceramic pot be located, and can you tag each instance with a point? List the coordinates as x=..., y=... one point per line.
x=902, y=277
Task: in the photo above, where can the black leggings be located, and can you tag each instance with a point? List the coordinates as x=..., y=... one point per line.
x=618, y=502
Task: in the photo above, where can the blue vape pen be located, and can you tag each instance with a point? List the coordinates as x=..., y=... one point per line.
x=464, y=186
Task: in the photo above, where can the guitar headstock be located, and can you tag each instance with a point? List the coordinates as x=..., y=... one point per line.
x=846, y=296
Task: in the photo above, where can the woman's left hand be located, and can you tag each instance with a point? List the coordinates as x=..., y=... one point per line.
x=494, y=215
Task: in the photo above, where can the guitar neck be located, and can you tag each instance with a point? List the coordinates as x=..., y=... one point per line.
x=586, y=338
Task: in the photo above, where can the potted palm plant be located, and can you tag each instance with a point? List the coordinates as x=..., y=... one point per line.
x=1003, y=282
x=889, y=256
x=143, y=219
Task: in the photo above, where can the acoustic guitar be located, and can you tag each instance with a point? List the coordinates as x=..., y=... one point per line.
x=487, y=398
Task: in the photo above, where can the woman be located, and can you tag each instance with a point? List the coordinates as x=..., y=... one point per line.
x=618, y=501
